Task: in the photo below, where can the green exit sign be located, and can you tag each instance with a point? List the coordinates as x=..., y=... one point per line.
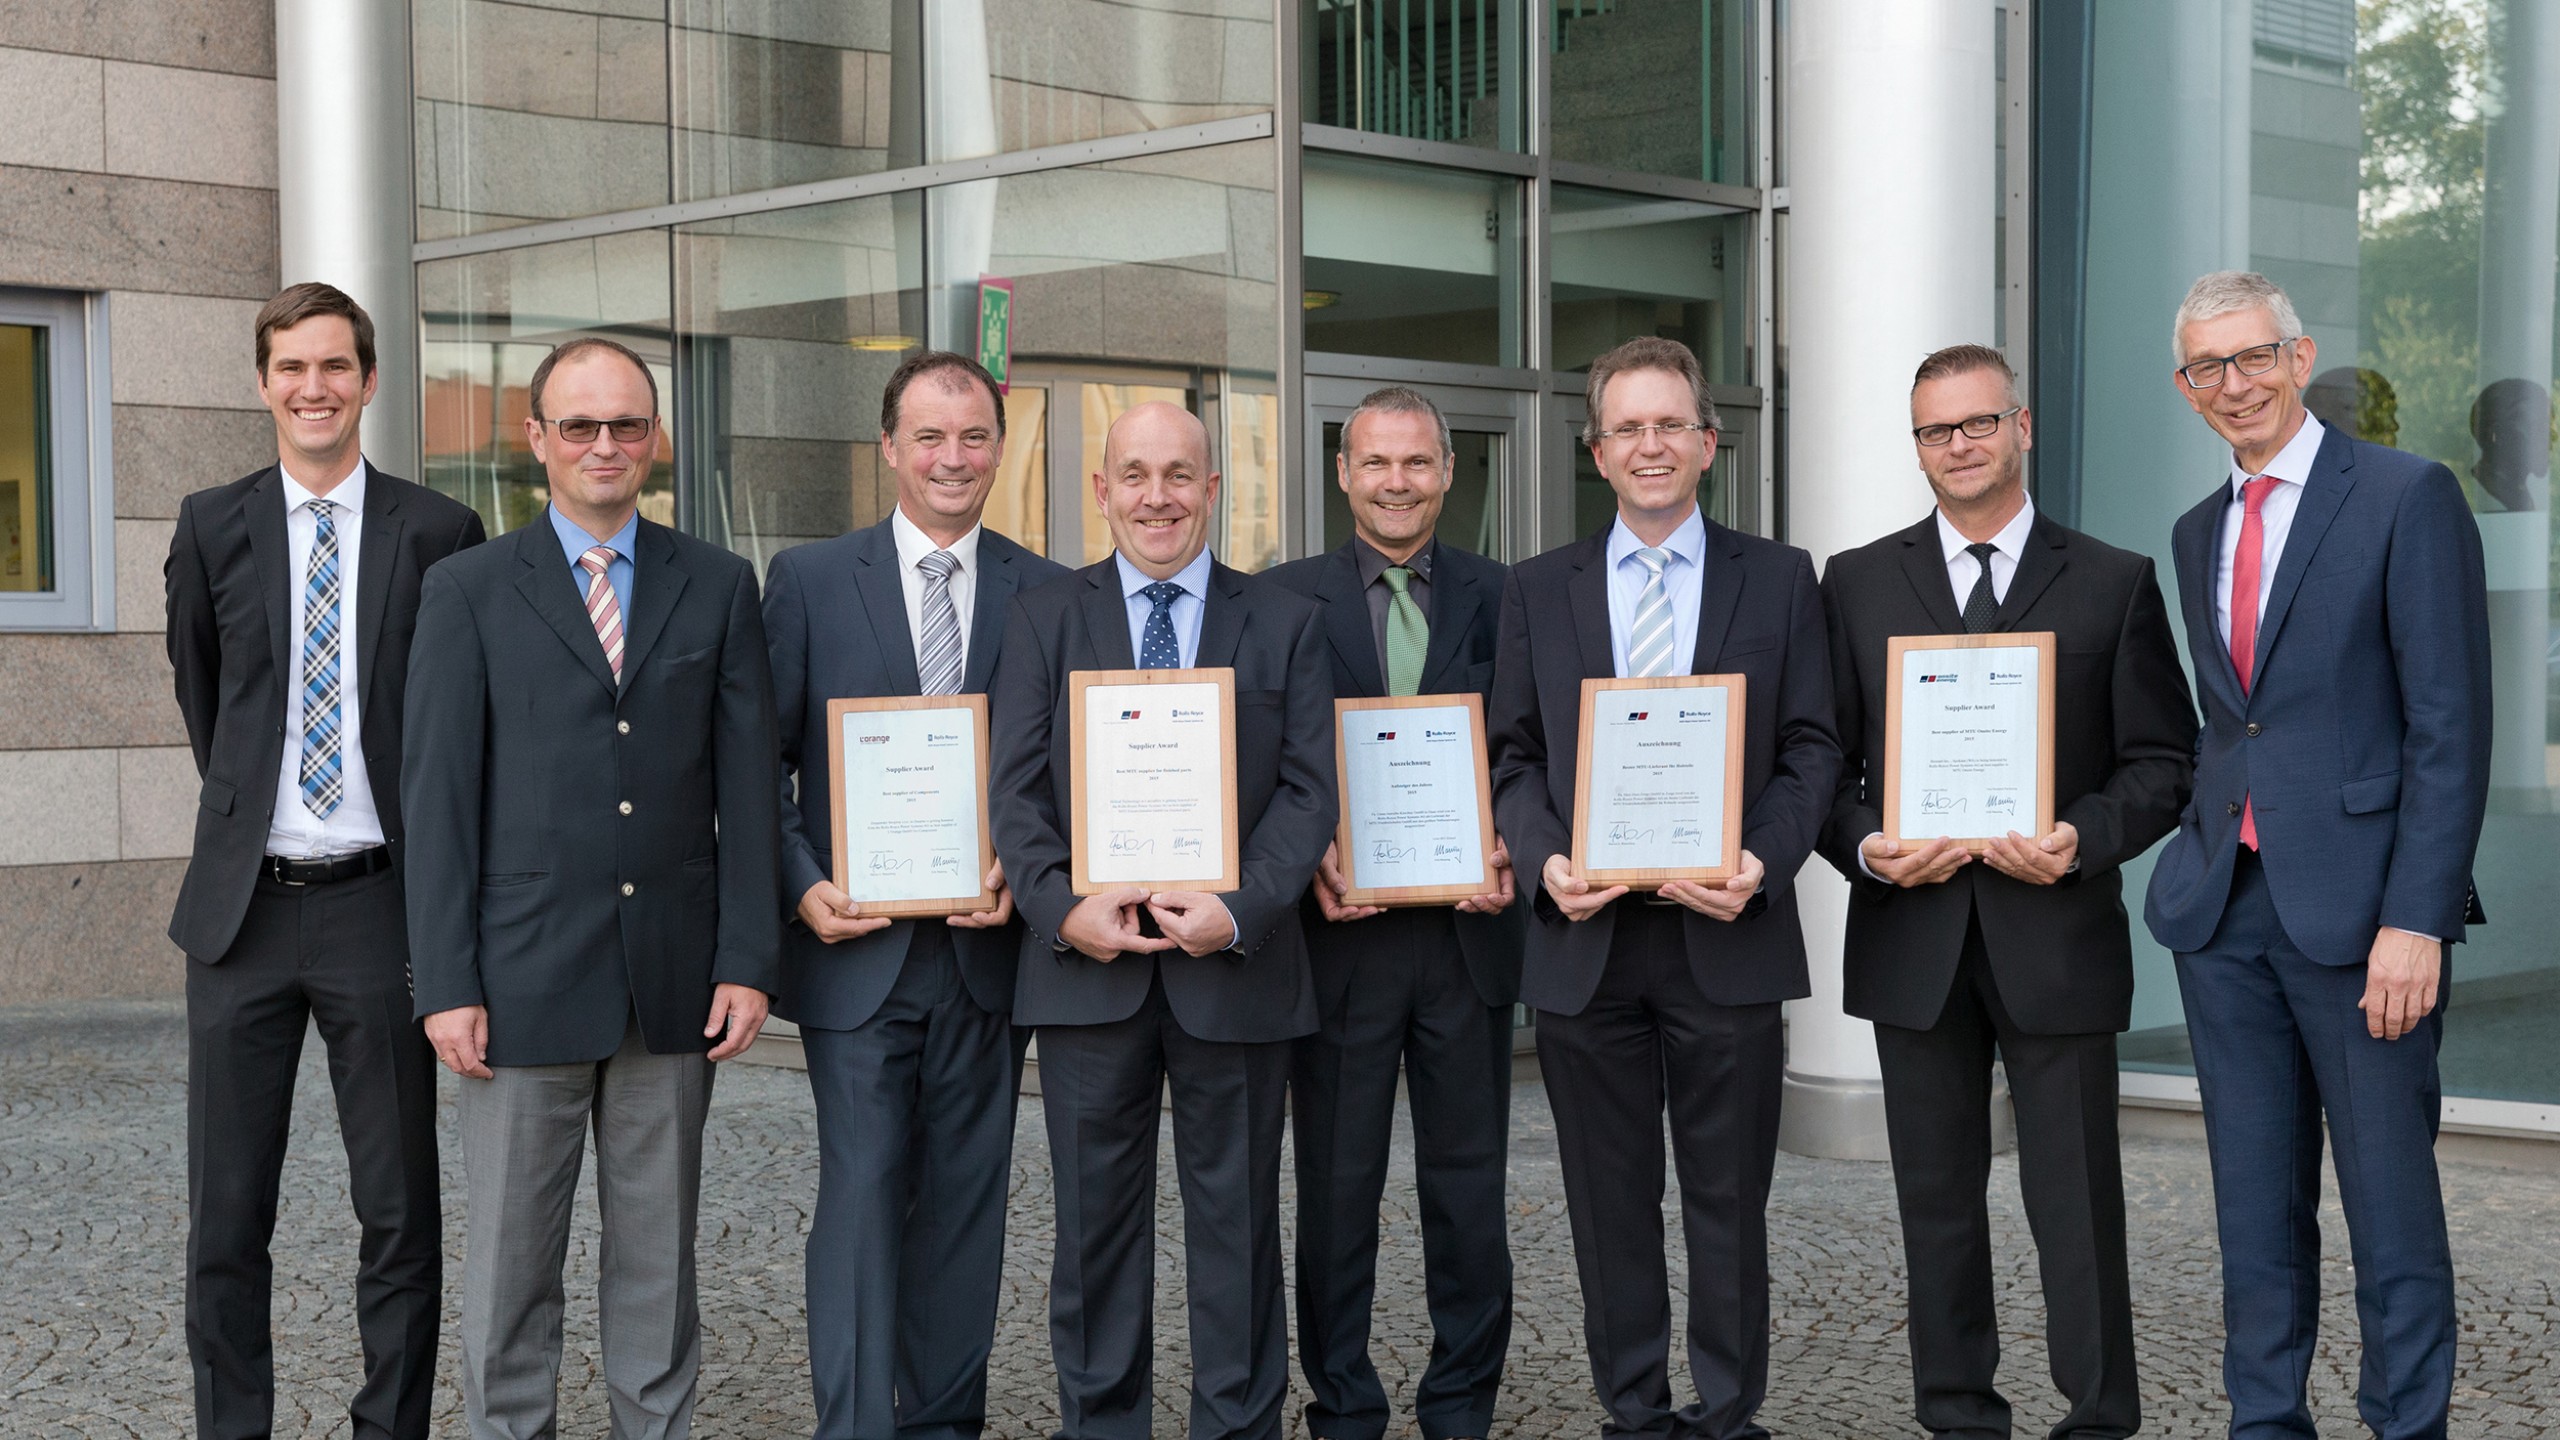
x=995, y=329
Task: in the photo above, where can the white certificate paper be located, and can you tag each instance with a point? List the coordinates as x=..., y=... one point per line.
x=1156, y=792
x=909, y=827
x=1657, y=778
x=1970, y=741
x=1414, y=810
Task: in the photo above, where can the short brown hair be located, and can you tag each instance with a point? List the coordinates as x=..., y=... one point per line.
x=586, y=344
x=925, y=362
x=296, y=303
x=1645, y=352
x=1396, y=400
x=1954, y=360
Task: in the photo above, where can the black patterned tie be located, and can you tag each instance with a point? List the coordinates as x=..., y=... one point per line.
x=1981, y=605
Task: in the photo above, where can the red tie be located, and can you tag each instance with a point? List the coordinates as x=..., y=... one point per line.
x=2244, y=608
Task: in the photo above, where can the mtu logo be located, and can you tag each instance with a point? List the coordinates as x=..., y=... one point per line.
x=1386, y=734
x=1128, y=714
x=1940, y=679
x=1639, y=715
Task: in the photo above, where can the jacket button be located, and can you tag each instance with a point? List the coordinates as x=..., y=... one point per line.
x=2231, y=809
x=627, y=887
x=626, y=807
x=2253, y=729
x=621, y=727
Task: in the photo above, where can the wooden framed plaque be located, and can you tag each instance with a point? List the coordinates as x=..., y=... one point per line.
x=914, y=841
x=1153, y=768
x=1417, y=799
x=1657, y=790
x=1968, y=737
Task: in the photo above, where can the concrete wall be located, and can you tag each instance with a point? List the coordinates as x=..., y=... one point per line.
x=137, y=159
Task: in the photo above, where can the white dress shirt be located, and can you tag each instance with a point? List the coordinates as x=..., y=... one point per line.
x=1684, y=577
x=913, y=546
x=2292, y=465
x=296, y=832
x=1963, y=570
x=1187, y=606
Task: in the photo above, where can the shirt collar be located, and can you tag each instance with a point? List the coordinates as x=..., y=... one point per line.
x=914, y=544
x=1689, y=542
x=575, y=542
x=348, y=496
x=1193, y=578
x=2292, y=463
x=2011, y=541
x=1373, y=564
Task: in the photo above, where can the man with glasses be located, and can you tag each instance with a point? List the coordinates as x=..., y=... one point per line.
x=590, y=776
x=2020, y=951
x=1672, y=997
x=913, y=1058
x=2337, y=614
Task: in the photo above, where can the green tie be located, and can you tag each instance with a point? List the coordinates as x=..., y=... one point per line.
x=1408, y=635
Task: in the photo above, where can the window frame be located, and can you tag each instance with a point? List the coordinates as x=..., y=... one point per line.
x=83, y=477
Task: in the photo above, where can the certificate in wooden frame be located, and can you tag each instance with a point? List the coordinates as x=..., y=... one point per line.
x=1393, y=895
x=975, y=707
x=2042, y=643
x=1079, y=683
x=1736, y=688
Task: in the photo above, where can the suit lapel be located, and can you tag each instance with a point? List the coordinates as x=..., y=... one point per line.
x=2191, y=545
x=378, y=554
x=1453, y=612
x=547, y=585
x=1221, y=618
x=263, y=513
x=2332, y=476
x=1346, y=621
x=1924, y=564
x=2039, y=561
x=1588, y=592
x=997, y=581
x=1106, y=617
x=1719, y=594
x=655, y=586
x=884, y=602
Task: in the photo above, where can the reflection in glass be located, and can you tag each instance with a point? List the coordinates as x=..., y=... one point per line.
x=1470, y=519
x=26, y=467
x=1427, y=69
x=1019, y=507
x=1659, y=88
x=1629, y=265
x=489, y=320
x=1412, y=263
x=767, y=95
x=1022, y=74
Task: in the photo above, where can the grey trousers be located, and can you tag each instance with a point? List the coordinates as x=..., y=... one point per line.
x=523, y=1136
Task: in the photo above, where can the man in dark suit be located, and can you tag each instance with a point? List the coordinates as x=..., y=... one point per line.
x=906, y=1024
x=1427, y=989
x=2337, y=614
x=1672, y=997
x=1131, y=989
x=592, y=895
x=291, y=597
x=2023, y=949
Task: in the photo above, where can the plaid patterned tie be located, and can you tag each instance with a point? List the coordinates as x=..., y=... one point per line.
x=939, y=662
x=321, y=774
x=604, y=609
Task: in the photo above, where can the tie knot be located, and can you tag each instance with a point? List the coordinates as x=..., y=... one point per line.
x=596, y=559
x=1398, y=577
x=1653, y=558
x=323, y=509
x=2254, y=494
x=1162, y=592
x=1982, y=551
x=939, y=565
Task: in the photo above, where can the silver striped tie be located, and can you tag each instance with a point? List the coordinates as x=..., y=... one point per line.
x=1650, y=635
x=938, y=656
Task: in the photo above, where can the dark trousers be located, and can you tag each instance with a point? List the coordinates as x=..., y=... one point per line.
x=2279, y=1043
x=336, y=954
x=1410, y=1002
x=1937, y=1105
x=906, y=1251
x=1647, y=1037
x=1100, y=1087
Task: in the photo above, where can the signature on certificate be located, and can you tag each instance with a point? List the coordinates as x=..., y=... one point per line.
x=945, y=865
x=1186, y=844
x=1448, y=850
x=1686, y=835
x=1627, y=832
x=1388, y=852
x=1129, y=842
x=890, y=862
x=1939, y=802
x=2000, y=805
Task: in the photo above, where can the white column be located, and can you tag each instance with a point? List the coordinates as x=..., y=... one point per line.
x=1892, y=110
x=345, y=206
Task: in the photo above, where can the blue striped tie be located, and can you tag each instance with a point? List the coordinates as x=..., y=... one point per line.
x=1650, y=634
x=320, y=778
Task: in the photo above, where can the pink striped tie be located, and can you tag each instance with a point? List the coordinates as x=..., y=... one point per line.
x=603, y=610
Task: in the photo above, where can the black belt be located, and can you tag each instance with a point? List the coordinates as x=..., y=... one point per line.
x=284, y=870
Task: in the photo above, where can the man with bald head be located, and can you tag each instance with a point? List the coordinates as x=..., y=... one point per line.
x=1130, y=988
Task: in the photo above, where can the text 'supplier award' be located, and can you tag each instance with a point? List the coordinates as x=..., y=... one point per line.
x=1153, y=775
x=1417, y=800
x=1658, y=781
x=1968, y=737
x=910, y=787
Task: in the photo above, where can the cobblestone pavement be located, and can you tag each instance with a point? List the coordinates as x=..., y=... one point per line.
x=92, y=1231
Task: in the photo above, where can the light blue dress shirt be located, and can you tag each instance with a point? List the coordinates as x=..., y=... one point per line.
x=1187, y=606
x=1684, y=576
x=576, y=542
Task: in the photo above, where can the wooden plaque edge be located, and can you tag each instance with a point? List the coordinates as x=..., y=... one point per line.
x=2043, y=642
x=1649, y=878
x=1392, y=896
x=1079, y=877
x=840, y=707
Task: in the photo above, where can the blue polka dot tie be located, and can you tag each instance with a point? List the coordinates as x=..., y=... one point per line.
x=1157, y=649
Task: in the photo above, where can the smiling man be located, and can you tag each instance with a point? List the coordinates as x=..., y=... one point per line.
x=2022, y=950
x=2337, y=614
x=1131, y=989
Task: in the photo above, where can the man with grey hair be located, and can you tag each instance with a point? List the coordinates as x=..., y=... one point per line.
x=2338, y=618
x=1427, y=989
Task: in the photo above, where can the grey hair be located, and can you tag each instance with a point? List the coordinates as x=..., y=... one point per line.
x=1397, y=400
x=2225, y=292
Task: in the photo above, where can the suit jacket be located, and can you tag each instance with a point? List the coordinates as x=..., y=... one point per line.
x=1466, y=596
x=1259, y=990
x=2363, y=742
x=230, y=586
x=2123, y=728
x=578, y=849
x=1760, y=616
x=835, y=618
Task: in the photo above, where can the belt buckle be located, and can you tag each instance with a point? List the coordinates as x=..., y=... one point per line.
x=275, y=868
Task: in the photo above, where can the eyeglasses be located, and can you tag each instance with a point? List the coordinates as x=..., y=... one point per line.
x=1671, y=430
x=1980, y=427
x=2256, y=360
x=626, y=430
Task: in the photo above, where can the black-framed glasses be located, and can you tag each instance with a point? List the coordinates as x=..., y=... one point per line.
x=583, y=430
x=1668, y=430
x=2256, y=360
x=1978, y=427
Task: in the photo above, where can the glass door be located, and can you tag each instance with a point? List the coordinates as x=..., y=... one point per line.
x=1730, y=493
